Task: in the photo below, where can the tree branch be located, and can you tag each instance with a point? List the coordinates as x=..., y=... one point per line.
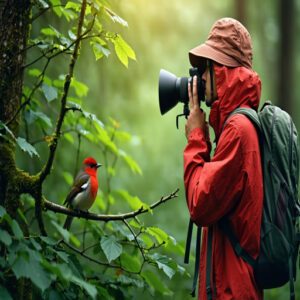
x=47, y=168
x=99, y=217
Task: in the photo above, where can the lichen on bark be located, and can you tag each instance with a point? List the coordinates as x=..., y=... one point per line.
x=14, y=27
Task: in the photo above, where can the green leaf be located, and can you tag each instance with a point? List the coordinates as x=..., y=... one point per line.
x=104, y=138
x=5, y=238
x=43, y=4
x=2, y=125
x=48, y=240
x=134, y=201
x=56, y=7
x=167, y=270
x=17, y=230
x=37, y=116
x=133, y=165
x=48, y=32
x=34, y=72
x=115, y=18
x=90, y=289
x=67, y=235
x=123, y=279
x=123, y=230
x=174, y=247
x=63, y=256
x=111, y=247
x=164, y=263
x=4, y=294
x=73, y=5
x=123, y=50
x=103, y=293
x=70, y=14
x=123, y=136
x=30, y=267
x=155, y=283
x=158, y=233
x=35, y=244
x=81, y=89
x=44, y=119
x=68, y=177
x=100, y=51
x=62, y=271
x=50, y=92
x=130, y=263
x=75, y=241
x=26, y=147
x=2, y=211
x=63, y=232
x=51, y=31
x=147, y=240
x=72, y=35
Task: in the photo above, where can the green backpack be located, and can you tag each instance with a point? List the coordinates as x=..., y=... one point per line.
x=279, y=242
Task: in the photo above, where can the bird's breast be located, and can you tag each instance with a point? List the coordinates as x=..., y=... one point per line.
x=85, y=199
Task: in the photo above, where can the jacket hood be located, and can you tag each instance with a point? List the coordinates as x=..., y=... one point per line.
x=236, y=87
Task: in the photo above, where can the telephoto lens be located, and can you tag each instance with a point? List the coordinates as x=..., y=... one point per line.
x=173, y=89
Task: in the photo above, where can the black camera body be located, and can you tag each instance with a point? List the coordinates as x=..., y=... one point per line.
x=174, y=89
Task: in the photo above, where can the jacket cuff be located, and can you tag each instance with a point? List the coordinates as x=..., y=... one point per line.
x=196, y=134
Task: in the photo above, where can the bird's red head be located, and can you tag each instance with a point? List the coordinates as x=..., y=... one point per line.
x=91, y=165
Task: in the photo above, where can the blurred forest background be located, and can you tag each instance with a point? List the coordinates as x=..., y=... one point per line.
x=161, y=32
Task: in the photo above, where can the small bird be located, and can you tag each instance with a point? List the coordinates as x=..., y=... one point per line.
x=84, y=189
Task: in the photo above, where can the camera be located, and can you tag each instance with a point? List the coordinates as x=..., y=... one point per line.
x=174, y=89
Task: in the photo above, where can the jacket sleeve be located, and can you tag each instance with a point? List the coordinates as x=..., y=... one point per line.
x=213, y=187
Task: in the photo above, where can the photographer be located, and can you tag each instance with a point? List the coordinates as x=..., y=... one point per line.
x=228, y=184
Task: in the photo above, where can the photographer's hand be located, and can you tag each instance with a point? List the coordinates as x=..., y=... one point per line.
x=197, y=116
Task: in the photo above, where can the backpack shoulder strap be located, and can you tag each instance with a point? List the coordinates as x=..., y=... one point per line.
x=248, y=112
x=239, y=251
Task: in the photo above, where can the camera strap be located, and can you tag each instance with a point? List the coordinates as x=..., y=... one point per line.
x=197, y=253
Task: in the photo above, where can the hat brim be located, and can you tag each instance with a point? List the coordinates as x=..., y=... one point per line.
x=198, y=54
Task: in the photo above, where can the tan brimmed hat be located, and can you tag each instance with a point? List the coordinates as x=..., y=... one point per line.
x=229, y=44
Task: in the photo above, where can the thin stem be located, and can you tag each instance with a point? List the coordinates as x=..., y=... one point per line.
x=135, y=238
x=97, y=261
x=47, y=168
x=77, y=154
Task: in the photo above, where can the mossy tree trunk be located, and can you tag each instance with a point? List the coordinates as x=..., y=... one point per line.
x=286, y=55
x=14, y=28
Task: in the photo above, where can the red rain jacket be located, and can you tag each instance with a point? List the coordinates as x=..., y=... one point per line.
x=229, y=184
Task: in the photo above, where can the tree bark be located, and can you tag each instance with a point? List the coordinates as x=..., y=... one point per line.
x=286, y=55
x=14, y=28
x=241, y=11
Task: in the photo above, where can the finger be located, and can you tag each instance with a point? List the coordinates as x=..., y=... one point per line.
x=195, y=91
x=190, y=95
x=186, y=131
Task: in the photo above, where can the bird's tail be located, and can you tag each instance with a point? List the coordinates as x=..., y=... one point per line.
x=68, y=222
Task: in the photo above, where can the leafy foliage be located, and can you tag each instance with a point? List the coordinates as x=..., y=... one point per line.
x=96, y=260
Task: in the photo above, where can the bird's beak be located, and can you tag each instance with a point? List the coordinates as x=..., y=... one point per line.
x=98, y=166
